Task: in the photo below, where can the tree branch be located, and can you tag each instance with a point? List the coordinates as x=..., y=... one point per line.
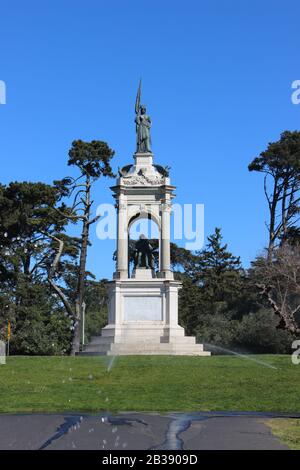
x=92, y=221
x=52, y=272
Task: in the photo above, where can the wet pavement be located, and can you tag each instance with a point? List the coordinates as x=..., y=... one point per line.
x=134, y=431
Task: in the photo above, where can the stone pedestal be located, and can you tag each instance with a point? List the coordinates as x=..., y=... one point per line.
x=143, y=320
x=143, y=274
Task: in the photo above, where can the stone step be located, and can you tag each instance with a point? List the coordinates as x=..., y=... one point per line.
x=144, y=344
x=133, y=333
x=97, y=347
x=180, y=339
x=139, y=347
x=105, y=343
x=182, y=352
x=101, y=340
x=125, y=339
x=142, y=338
x=91, y=353
x=138, y=327
x=95, y=338
x=149, y=353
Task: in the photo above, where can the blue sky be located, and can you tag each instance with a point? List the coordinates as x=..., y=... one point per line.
x=217, y=81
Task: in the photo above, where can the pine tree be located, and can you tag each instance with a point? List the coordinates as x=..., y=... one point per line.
x=220, y=271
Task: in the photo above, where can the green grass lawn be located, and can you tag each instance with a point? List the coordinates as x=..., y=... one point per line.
x=287, y=430
x=149, y=383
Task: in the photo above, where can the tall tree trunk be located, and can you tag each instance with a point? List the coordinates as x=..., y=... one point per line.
x=52, y=272
x=82, y=270
x=272, y=208
x=284, y=209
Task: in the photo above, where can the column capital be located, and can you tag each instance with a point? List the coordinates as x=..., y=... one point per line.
x=121, y=206
x=166, y=207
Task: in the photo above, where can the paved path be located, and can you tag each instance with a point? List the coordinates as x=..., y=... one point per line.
x=133, y=431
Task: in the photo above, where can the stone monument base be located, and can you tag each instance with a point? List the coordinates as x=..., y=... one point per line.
x=143, y=315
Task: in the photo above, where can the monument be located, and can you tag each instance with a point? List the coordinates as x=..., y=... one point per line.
x=143, y=305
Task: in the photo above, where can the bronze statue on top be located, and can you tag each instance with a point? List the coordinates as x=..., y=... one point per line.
x=143, y=125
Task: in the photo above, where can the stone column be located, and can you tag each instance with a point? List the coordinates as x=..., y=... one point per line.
x=165, y=240
x=122, y=242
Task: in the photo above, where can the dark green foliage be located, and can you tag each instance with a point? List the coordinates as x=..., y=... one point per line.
x=28, y=213
x=39, y=325
x=191, y=303
x=218, y=272
x=220, y=304
x=281, y=157
x=96, y=307
x=92, y=158
x=255, y=333
x=217, y=330
x=258, y=332
x=292, y=236
x=214, y=284
x=33, y=220
x=42, y=338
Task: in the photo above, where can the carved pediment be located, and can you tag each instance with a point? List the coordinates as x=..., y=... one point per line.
x=142, y=179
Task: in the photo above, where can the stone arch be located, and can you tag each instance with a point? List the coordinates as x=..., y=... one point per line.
x=146, y=215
